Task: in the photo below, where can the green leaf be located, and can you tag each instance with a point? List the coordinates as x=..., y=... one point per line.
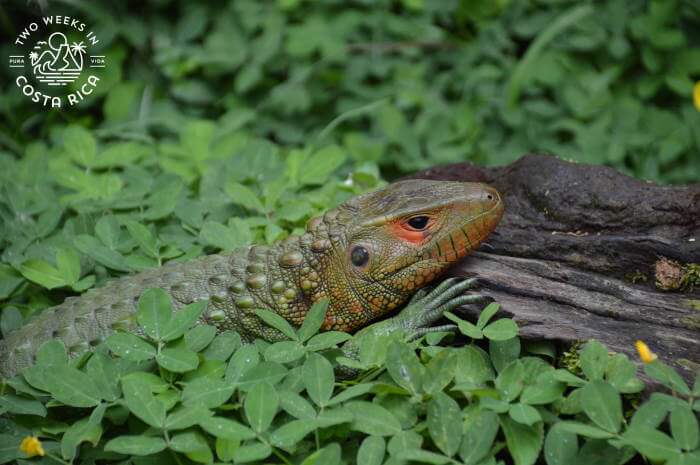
x=652, y=412
x=594, y=360
x=135, y=445
x=177, y=360
x=42, y=273
x=444, y=423
x=545, y=390
x=651, y=443
x=404, y=367
x=326, y=340
x=206, y=392
x=260, y=406
x=186, y=416
x=372, y=419
x=318, y=379
x=371, y=451
x=583, y=429
x=244, y=196
x=154, y=312
x=480, y=430
x=684, y=427
x=501, y=330
x=223, y=237
x=560, y=447
x=524, y=442
x=252, y=452
x=404, y=440
x=10, y=318
x=101, y=254
x=522, y=72
x=143, y=237
x=88, y=429
x=422, y=456
x=10, y=279
x=313, y=320
x=284, y=352
x=296, y=406
x=319, y=166
x=226, y=428
x=291, y=433
x=439, y=372
x=141, y=401
x=52, y=352
x=511, y=380
x=498, y=406
x=225, y=448
x=130, y=347
x=21, y=405
x=223, y=345
x=504, y=352
x=332, y=417
x=666, y=376
x=184, y=319
x=108, y=231
x=602, y=403
x=71, y=386
x=351, y=392
x=80, y=145
x=103, y=371
x=269, y=372
x=465, y=327
x=621, y=373
x=525, y=414
x=565, y=376
x=245, y=358
x=472, y=367
x=9, y=447
x=486, y=314
x=68, y=264
x=273, y=320
x=189, y=441
x=197, y=338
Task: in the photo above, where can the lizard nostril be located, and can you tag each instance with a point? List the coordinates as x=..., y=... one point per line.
x=489, y=196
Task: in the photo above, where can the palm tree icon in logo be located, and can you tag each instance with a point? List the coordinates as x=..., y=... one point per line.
x=55, y=62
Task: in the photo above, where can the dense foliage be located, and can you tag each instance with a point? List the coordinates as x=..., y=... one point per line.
x=443, y=81
x=224, y=123
x=183, y=394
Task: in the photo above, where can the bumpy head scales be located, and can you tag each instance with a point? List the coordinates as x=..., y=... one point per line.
x=398, y=239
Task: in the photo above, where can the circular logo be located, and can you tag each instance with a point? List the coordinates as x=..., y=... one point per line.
x=55, y=61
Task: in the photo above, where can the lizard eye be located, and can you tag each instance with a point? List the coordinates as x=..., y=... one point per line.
x=418, y=223
x=359, y=256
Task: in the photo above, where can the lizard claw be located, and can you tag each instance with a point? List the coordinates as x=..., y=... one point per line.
x=416, y=318
x=426, y=309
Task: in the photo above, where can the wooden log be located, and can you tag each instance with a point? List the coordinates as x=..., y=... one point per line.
x=579, y=253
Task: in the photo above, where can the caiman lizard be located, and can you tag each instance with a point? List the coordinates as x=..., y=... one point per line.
x=368, y=256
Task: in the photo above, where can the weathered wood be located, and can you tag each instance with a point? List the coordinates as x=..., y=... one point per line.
x=571, y=243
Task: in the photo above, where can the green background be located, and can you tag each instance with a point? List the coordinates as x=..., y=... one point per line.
x=219, y=124
x=606, y=82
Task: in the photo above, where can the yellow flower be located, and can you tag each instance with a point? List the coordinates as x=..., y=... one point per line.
x=696, y=95
x=645, y=353
x=31, y=446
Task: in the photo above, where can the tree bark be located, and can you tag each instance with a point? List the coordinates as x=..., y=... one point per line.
x=580, y=250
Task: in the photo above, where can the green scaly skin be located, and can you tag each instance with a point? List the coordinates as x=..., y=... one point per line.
x=291, y=275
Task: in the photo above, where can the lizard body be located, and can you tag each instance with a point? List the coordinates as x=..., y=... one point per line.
x=368, y=257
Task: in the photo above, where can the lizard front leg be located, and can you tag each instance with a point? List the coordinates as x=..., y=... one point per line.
x=416, y=318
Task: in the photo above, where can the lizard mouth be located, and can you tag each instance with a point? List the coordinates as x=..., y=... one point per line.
x=462, y=239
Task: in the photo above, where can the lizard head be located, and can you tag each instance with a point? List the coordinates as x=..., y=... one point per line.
x=400, y=238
